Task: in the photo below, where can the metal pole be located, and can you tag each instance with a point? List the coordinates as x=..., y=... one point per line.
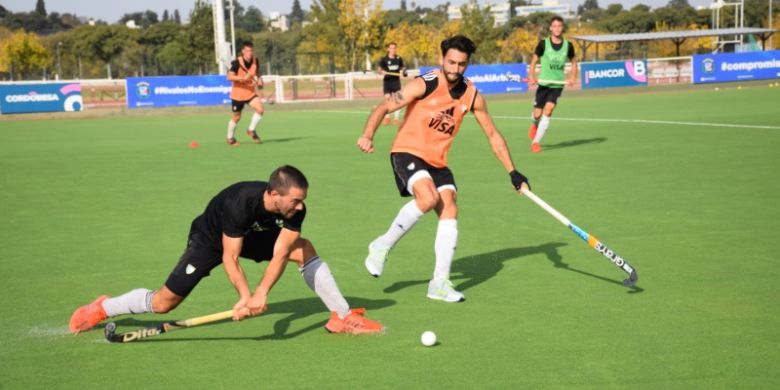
x=368, y=58
x=59, y=67
x=219, y=35
x=770, y=25
x=741, y=22
x=232, y=30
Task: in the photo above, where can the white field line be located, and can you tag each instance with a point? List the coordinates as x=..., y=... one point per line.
x=649, y=121
x=43, y=331
x=642, y=121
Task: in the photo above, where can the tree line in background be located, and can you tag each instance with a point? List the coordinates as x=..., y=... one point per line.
x=332, y=36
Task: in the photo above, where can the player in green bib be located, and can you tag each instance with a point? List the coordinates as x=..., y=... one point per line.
x=553, y=53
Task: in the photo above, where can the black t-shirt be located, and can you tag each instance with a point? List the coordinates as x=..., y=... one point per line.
x=235, y=65
x=391, y=65
x=238, y=210
x=540, y=48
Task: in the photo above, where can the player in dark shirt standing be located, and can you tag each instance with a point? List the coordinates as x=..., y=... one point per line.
x=392, y=66
x=255, y=220
x=553, y=53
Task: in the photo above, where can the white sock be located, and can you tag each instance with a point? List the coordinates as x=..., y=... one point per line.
x=397, y=114
x=543, y=124
x=255, y=120
x=319, y=278
x=231, y=129
x=535, y=119
x=136, y=302
x=446, y=241
x=403, y=222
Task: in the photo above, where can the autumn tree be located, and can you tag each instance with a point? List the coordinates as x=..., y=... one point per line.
x=360, y=22
x=478, y=25
x=23, y=54
x=518, y=46
x=416, y=43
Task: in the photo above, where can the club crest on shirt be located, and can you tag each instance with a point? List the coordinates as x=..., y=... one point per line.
x=258, y=228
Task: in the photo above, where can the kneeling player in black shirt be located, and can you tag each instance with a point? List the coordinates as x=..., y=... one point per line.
x=255, y=220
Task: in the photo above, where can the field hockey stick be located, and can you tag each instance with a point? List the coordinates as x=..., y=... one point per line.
x=514, y=77
x=592, y=241
x=256, y=79
x=162, y=328
x=399, y=74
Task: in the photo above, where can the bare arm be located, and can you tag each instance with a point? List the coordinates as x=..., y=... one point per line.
x=380, y=68
x=230, y=252
x=258, y=77
x=495, y=138
x=574, y=72
x=282, y=248
x=232, y=76
x=412, y=91
x=532, y=70
x=497, y=142
x=231, y=249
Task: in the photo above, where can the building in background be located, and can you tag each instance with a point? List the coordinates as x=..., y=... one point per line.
x=552, y=6
x=279, y=21
x=501, y=12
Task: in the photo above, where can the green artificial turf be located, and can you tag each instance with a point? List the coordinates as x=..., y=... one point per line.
x=103, y=205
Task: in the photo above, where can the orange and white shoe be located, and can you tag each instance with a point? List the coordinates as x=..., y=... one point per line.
x=532, y=131
x=396, y=122
x=353, y=323
x=536, y=148
x=254, y=136
x=233, y=142
x=386, y=121
x=87, y=316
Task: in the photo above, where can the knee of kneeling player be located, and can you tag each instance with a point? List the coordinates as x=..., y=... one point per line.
x=162, y=307
x=303, y=251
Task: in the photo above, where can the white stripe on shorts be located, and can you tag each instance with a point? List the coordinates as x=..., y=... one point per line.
x=447, y=187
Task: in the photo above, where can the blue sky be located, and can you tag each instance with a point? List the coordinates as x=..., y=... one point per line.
x=111, y=11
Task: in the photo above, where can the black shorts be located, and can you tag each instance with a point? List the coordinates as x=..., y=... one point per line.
x=200, y=258
x=238, y=105
x=391, y=86
x=408, y=168
x=545, y=95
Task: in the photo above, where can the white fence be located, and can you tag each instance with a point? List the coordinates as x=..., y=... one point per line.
x=341, y=86
x=670, y=70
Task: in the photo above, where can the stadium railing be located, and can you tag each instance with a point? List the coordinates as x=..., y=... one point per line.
x=669, y=70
